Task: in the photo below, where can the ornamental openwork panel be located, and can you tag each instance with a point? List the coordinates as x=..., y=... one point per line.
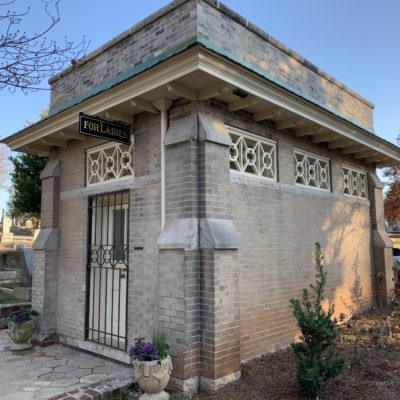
x=252, y=154
x=109, y=162
x=311, y=170
x=354, y=182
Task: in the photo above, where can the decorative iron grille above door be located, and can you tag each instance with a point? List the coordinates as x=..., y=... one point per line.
x=107, y=269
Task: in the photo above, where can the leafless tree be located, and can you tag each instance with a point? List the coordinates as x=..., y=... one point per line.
x=5, y=166
x=26, y=59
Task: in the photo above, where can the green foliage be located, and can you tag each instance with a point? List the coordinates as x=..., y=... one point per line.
x=179, y=396
x=8, y=299
x=316, y=360
x=124, y=395
x=26, y=195
x=159, y=340
x=10, y=285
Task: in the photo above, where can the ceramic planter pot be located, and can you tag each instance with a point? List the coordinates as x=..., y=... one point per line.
x=21, y=334
x=153, y=377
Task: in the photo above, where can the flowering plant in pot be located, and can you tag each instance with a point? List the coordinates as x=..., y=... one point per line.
x=152, y=365
x=21, y=328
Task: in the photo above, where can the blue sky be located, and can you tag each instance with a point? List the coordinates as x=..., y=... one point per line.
x=355, y=41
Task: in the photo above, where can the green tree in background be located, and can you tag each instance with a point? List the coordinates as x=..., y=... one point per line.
x=392, y=197
x=26, y=193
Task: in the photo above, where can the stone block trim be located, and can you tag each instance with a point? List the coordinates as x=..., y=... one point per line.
x=45, y=257
x=381, y=244
x=198, y=224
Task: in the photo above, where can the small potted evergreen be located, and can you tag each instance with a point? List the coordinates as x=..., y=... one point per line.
x=21, y=328
x=152, y=365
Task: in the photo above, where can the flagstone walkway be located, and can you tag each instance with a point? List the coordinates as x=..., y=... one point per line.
x=57, y=372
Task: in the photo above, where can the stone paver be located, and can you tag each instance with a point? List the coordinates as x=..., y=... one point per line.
x=78, y=373
x=93, y=378
x=57, y=372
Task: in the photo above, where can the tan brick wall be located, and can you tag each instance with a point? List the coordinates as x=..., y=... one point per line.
x=72, y=272
x=161, y=33
x=224, y=31
x=250, y=47
x=278, y=224
x=144, y=224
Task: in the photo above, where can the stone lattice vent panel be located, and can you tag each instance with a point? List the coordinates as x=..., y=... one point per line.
x=252, y=154
x=311, y=170
x=354, y=182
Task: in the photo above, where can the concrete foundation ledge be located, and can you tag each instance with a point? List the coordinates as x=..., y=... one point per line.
x=213, y=385
x=190, y=385
x=44, y=339
x=95, y=348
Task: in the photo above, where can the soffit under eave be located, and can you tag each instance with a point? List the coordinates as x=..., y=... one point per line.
x=301, y=115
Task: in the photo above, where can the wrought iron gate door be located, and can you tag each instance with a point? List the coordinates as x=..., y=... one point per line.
x=107, y=269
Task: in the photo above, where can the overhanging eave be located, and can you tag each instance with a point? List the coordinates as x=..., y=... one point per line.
x=180, y=76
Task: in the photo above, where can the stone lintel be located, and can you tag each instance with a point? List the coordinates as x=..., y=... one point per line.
x=180, y=233
x=218, y=234
x=181, y=130
x=381, y=239
x=214, y=233
x=198, y=126
x=51, y=170
x=46, y=240
x=374, y=181
x=213, y=129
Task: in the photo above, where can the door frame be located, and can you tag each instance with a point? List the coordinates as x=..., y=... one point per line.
x=88, y=297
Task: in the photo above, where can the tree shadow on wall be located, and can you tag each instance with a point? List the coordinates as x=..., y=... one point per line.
x=356, y=290
x=347, y=236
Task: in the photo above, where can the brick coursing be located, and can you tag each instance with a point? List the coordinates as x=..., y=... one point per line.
x=147, y=41
x=220, y=307
x=215, y=25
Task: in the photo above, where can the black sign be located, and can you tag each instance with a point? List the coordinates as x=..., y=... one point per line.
x=102, y=128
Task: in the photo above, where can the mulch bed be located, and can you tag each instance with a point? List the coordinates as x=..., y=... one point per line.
x=370, y=346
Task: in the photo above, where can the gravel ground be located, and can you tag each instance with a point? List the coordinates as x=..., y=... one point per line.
x=370, y=345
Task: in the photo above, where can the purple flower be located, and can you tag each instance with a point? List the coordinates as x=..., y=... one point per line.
x=143, y=351
x=148, y=347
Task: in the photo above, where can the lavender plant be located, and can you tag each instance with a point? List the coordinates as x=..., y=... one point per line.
x=21, y=316
x=143, y=351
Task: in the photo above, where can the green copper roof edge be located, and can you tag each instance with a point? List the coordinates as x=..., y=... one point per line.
x=209, y=45
x=125, y=75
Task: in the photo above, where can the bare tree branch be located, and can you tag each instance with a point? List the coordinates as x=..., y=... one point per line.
x=5, y=166
x=27, y=59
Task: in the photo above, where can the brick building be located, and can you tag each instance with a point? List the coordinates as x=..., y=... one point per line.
x=243, y=154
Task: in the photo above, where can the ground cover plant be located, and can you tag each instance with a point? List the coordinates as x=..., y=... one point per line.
x=370, y=346
x=7, y=299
